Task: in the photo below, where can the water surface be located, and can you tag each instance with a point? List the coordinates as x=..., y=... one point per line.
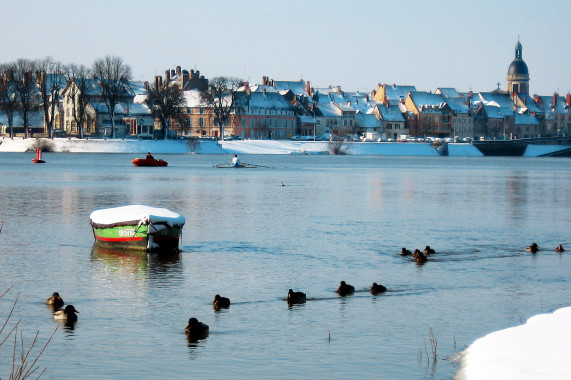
x=250, y=239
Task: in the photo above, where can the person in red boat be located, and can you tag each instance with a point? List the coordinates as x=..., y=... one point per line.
x=149, y=156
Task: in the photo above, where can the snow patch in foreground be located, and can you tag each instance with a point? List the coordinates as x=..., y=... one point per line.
x=537, y=350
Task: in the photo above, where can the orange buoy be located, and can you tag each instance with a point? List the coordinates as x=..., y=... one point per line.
x=38, y=159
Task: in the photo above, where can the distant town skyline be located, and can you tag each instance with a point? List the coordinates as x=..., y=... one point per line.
x=354, y=45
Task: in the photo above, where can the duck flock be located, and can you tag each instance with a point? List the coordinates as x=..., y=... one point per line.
x=196, y=330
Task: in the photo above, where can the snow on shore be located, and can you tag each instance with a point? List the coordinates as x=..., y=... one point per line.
x=537, y=350
x=73, y=145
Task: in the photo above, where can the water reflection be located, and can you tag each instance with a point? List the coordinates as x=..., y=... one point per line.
x=120, y=260
x=138, y=262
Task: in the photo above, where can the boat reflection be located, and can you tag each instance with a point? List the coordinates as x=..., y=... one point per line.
x=120, y=260
x=137, y=262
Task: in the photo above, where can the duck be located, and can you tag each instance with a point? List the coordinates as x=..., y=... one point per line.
x=428, y=250
x=419, y=257
x=559, y=248
x=67, y=314
x=196, y=330
x=405, y=252
x=220, y=302
x=295, y=297
x=377, y=288
x=532, y=248
x=55, y=300
x=345, y=289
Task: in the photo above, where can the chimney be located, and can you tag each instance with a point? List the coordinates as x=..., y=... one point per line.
x=373, y=93
x=554, y=99
x=184, y=78
x=173, y=73
x=167, y=76
x=307, y=88
x=146, y=86
x=178, y=71
x=568, y=99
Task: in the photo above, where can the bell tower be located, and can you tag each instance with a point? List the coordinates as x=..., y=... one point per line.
x=518, y=74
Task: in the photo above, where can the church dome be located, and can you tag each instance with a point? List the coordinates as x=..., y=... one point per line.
x=518, y=67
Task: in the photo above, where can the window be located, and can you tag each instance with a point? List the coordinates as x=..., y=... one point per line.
x=201, y=122
x=189, y=122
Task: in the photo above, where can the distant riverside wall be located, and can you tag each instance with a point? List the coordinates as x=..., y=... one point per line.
x=73, y=145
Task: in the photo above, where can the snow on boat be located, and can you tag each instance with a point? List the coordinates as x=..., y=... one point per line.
x=149, y=162
x=137, y=227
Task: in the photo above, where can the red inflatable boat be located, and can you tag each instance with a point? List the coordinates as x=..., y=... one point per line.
x=149, y=162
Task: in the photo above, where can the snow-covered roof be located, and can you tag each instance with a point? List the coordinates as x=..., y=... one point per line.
x=447, y=92
x=261, y=88
x=35, y=119
x=138, y=87
x=502, y=100
x=367, y=120
x=297, y=87
x=458, y=104
x=396, y=92
x=271, y=100
x=123, y=108
x=391, y=113
x=329, y=110
x=422, y=98
x=192, y=99
x=526, y=119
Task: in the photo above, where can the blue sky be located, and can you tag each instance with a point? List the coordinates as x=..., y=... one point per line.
x=355, y=44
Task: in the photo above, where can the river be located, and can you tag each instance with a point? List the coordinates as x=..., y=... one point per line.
x=250, y=239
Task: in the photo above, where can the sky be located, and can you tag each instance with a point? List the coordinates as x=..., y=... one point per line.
x=353, y=44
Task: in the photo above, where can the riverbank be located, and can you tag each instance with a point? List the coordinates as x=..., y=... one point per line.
x=74, y=145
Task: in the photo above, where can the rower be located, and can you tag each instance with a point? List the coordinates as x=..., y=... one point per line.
x=235, y=160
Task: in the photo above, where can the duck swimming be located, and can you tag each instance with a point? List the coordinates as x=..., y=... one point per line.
x=419, y=257
x=295, y=297
x=405, y=252
x=345, y=289
x=559, y=248
x=55, y=301
x=377, y=288
x=66, y=315
x=428, y=250
x=532, y=248
x=196, y=330
x=220, y=302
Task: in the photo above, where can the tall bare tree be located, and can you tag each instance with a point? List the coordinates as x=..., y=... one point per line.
x=26, y=90
x=8, y=94
x=220, y=96
x=165, y=103
x=76, y=92
x=51, y=81
x=114, y=76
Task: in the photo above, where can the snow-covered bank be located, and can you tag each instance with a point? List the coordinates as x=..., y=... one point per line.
x=73, y=145
x=537, y=350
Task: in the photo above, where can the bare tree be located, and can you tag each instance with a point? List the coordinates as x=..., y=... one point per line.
x=26, y=90
x=51, y=82
x=114, y=76
x=220, y=96
x=8, y=94
x=165, y=103
x=76, y=93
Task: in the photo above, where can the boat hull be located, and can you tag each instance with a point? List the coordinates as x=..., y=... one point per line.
x=148, y=162
x=138, y=238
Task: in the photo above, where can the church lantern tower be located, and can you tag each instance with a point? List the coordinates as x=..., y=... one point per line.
x=518, y=75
